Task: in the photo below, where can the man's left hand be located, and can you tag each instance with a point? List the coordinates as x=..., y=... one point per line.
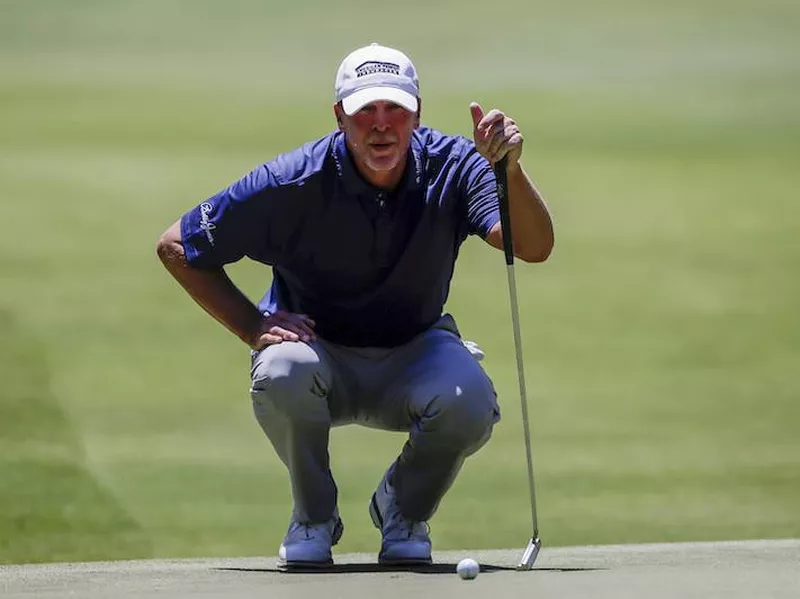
x=496, y=135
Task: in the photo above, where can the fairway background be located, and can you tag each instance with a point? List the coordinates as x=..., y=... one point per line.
x=662, y=339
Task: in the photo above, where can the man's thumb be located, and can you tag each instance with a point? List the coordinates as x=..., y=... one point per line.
x=477, y=113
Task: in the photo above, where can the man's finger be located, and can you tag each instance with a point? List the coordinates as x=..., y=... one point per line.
x=304, y=330
x=308, y=320
x=497, y=139
x=511, y=129
x=300, y=324
x=267, y=339
x=477, y=113
x=490, y=120
x=509, y=144
x=284, y=333
x=300, y=328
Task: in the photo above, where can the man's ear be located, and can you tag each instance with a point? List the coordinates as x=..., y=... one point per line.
x=338, y=111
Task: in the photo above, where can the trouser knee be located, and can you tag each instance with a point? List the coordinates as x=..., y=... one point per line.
x=291, y=379
x=462, y=420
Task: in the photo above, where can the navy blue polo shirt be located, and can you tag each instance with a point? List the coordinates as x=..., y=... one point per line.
x=371, y=267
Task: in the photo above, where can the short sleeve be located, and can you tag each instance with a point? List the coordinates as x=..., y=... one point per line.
x=479, y=186
x=234, y=223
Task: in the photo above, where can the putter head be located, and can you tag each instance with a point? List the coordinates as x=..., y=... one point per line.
x=531, y=551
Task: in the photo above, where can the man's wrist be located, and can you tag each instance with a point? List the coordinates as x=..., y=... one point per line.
x=253, y=331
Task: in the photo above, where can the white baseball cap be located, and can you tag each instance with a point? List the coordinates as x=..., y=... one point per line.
x=375, y=73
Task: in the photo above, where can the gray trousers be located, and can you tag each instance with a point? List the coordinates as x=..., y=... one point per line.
x=432, y=387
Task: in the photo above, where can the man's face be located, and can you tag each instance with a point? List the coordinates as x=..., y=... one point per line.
x=379, y=134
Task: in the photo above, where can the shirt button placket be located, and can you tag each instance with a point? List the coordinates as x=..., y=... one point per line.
x=381, y=227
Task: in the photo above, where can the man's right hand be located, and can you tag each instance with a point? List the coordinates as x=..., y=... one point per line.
x=283, y=326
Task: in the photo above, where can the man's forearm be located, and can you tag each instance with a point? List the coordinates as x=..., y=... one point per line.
x=213, y=291
x=531, y=224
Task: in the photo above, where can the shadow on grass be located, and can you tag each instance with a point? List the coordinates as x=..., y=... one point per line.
x=362, y=568
x=51, y=507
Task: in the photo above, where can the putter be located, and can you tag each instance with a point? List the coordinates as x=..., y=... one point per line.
x=501, y=174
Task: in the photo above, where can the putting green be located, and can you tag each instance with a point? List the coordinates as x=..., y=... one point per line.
x=730, y=570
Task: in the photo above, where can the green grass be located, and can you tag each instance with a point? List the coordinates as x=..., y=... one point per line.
x=662, y=339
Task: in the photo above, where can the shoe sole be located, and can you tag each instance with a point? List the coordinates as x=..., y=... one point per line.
x=375, y=514
x=293, y=566
x=297, y=566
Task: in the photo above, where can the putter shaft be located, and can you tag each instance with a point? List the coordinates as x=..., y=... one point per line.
x=512, y=288
x=501, y=176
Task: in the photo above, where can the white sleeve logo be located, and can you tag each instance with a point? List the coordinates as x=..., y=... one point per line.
x=205, y=222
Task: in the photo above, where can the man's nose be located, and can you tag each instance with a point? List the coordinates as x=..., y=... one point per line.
x=381, y=122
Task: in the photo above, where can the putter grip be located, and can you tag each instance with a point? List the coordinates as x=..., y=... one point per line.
x=501, y=175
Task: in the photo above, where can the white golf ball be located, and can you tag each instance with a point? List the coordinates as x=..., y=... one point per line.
x=468, y=568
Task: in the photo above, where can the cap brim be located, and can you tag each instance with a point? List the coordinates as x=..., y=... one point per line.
x=357, y=100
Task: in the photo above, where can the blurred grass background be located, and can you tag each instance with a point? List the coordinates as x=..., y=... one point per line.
x=662, y=338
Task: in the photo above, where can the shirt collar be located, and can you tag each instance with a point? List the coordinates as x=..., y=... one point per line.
x=354, y=183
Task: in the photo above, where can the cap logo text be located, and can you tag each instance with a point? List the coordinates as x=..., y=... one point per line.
x=372, y=67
